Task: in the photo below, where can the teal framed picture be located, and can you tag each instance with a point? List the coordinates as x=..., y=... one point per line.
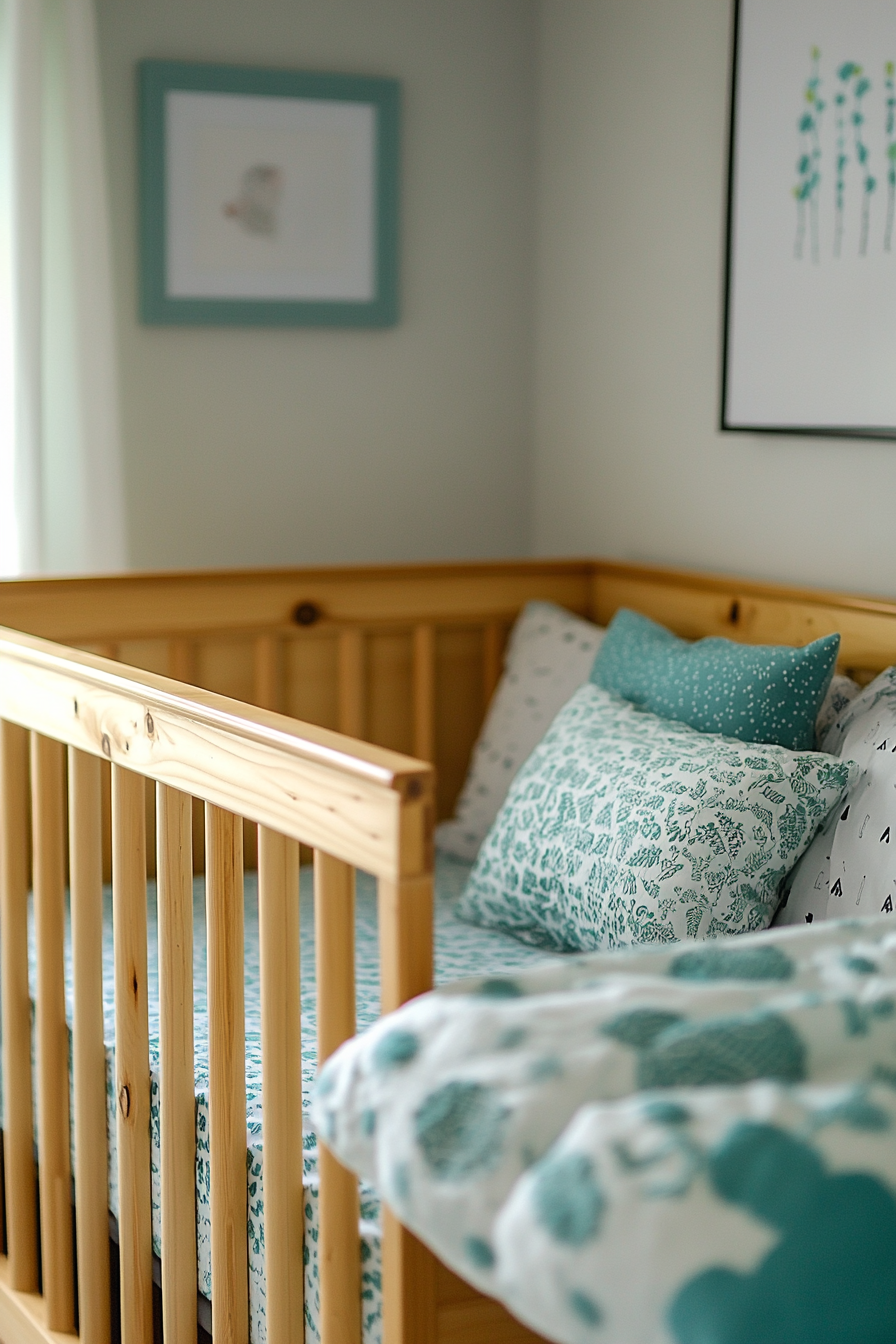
x=268, y=197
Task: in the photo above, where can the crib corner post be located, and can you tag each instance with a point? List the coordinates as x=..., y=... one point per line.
x=409, y=1286
x=406, y=970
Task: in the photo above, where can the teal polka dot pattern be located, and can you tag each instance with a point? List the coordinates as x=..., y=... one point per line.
x=828, y=1280
x=625, y=828
x=664, y=1145
x=395, y=1049
x=459, y=1129
x=758, y=693
x=585, y=1307
x=499, y=989
x=568, y=1200
x=732, y=963
x=640, y=1027
x=480, y=1253
x=701, y=1054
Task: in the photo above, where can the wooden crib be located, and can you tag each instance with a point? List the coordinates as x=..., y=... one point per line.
x=403, y=661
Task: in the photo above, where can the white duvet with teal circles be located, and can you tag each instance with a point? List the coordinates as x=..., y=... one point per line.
x=687, y=1146
x=459, y=949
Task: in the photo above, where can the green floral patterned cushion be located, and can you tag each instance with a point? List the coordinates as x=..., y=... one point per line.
x=757, y=692
x=626, y=828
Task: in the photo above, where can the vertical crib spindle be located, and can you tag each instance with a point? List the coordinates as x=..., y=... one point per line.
x=132, y=1054
x=424, y=692
x=405, y=911
x=174, y=868
x=91, y=1158
x=54, y=1152
x=281, y=1060
x=334, y=943
x=182, y=660
x=266, y=672
x=18, y=1132
x=351, y=683
x=227, y=1075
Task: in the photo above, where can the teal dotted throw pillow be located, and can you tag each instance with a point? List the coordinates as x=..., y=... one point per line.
x=756, y=692
x=623, y=828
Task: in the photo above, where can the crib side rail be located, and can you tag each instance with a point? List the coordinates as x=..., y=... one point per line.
x=356, y=806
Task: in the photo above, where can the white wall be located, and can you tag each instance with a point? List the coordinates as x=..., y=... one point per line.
x=629, y=461
x=301, y=446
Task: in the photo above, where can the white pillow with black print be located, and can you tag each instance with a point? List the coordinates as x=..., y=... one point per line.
x=840, y=695
x=549, y=656
x=850, y=867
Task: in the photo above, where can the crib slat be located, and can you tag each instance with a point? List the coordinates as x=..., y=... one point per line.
x=18, y=1135
x=266, y=672
x=351, y=683
x=54, y=1153
x=132, y=1054
x=424, y=692
x=405, y=923
x=182, y=660
x=339, y=1254
x=405, y=931
x=91, y=1157
x=227, y=1070
x=281, y=1060
x=174, y=868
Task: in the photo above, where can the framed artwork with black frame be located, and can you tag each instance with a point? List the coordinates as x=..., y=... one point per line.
x=810, y=301
x=268, y=197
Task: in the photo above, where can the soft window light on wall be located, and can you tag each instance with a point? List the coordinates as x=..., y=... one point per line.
x=61, y=506
x=9, y=530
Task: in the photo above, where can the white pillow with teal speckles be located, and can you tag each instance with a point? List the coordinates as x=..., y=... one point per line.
x=549, y=655
x=626, y=828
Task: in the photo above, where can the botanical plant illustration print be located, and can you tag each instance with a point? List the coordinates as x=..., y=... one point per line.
x=847, y=157
x=890, y=83
x=672, y=1146
x=811, y=292
x=809, y=165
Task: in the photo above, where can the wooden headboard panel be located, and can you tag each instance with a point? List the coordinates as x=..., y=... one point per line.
x=407, y=656
x=695, y=605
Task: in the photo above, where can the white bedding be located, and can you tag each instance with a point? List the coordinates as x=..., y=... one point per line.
x=689, y=1147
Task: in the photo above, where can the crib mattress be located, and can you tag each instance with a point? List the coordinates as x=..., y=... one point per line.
x=460, y=950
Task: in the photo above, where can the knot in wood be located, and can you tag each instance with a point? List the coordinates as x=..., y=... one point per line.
x=150, y=726
x=124, y=1101
x=106, y=746
x=307, y=613
x=414, y=788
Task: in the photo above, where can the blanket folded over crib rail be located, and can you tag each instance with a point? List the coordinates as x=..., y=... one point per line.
x=695, y=1146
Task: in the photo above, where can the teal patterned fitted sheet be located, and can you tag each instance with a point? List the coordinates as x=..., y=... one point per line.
x=460, y=950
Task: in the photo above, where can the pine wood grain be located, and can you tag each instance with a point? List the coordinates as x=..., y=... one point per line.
x=227, y=1075
x=306, y=782
x=338, y=1202
x=89, y=1051
x=281, y=1062
x=132, y=1055
x=53, y=1139
x=177, y=1078
x=18, y=1136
